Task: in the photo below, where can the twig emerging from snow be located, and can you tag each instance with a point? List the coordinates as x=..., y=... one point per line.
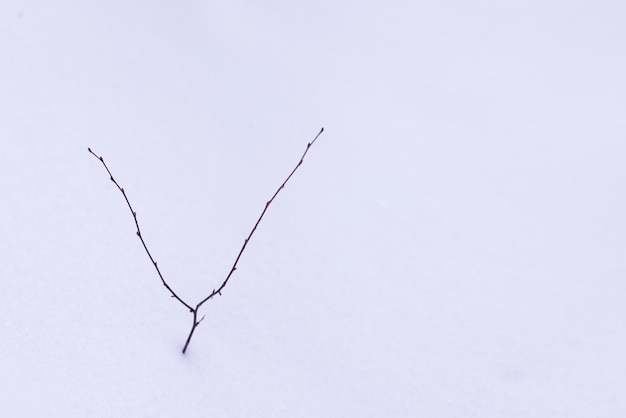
x=217, y=291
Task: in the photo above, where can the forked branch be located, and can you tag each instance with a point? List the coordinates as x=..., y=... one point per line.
x=218, y=291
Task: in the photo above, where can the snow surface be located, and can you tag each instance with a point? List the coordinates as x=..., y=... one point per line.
x=453, y=245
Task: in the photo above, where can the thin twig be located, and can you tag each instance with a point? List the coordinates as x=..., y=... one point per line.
x=247, y=240
x=145, y=247
x=217, y=291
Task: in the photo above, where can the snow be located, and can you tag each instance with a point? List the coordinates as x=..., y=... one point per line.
x=453, y=244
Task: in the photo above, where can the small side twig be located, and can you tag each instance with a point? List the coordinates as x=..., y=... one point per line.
x=218, y=291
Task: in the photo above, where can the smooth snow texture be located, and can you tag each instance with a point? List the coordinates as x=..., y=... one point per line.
x=453, y=245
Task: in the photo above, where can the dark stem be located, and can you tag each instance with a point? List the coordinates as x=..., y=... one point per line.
x=247, y=240
x=193, y=328
x=145, y=247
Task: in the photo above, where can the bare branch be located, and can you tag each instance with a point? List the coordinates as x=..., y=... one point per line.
x=217, y=291
x=145, y=247
x=267, y=205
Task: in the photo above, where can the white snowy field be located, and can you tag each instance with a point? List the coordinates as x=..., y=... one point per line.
x=453, y=245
